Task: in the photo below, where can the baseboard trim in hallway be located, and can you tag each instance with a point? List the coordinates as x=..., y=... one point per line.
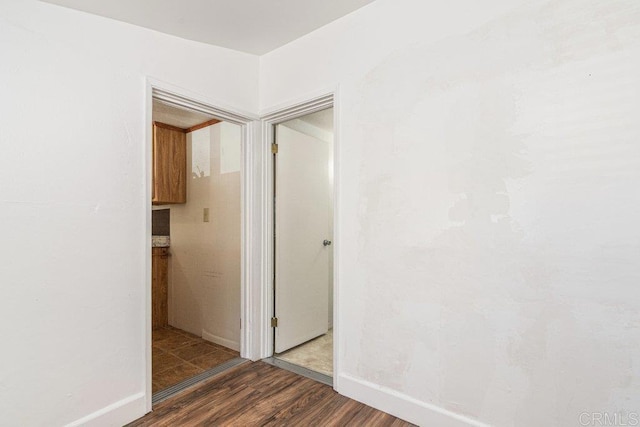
x=173, y=390
x=317, y=376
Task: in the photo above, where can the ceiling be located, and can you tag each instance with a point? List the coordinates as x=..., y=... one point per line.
x=322, y=119
x=176, y=116
x=318, y=125
x=252, y=26
x=186, y=118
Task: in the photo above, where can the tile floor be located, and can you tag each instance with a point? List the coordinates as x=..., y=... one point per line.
x=316, y=354
x=179, y=355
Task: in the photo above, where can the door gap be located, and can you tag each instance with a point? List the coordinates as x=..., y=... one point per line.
x=303, y=162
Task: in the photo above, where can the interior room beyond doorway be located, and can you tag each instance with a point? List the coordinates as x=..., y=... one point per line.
x=196, y=252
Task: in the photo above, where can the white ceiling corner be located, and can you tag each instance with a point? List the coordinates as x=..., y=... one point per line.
x=318, y=125
x=252, y=26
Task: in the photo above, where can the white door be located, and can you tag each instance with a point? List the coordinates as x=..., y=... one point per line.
x=302, y=226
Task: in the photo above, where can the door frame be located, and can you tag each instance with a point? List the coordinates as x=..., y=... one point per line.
x=250, y=180
x=269, y=121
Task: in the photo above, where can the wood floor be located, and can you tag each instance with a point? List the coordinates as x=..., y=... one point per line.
x=258, y=394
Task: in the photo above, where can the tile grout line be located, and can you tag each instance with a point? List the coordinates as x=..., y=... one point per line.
x=172, y=334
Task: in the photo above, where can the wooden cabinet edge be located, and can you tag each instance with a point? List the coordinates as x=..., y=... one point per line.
x=180, y=195
x=159, y=287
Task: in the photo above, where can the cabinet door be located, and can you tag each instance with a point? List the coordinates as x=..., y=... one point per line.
x=169, y=165
x=159, y=287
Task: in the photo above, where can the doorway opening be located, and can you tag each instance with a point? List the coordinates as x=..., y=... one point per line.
x=303, y=243
x=197, y=237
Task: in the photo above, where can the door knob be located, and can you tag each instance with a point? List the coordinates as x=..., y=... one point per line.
x=326, y=242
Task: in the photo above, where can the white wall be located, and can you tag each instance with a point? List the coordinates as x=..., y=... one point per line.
x=204, y=292
x=488, y=207
x=72, y=204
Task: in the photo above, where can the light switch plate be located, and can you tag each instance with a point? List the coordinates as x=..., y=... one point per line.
x=205, y=215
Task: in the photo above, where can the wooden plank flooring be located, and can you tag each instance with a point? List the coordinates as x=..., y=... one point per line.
x=258, y=394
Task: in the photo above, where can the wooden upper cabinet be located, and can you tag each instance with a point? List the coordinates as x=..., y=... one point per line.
x=169, y=165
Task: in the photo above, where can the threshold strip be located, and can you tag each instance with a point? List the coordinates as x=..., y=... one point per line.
x=175, y=389
x=300, y=370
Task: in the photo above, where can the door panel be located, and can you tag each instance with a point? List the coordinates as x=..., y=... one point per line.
x=302, y=224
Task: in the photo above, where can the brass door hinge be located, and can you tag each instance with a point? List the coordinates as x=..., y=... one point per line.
x=274, y=148
x=274, y=322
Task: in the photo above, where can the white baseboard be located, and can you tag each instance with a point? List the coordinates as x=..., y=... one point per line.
x=117, y=414
x=401, y=405
x=233, y=345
